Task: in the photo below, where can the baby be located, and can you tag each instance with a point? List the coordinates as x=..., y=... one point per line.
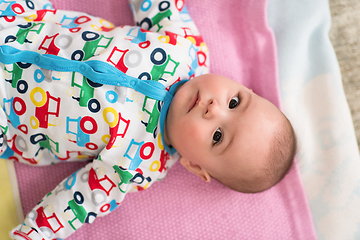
x=224, y=130
x=74, y=87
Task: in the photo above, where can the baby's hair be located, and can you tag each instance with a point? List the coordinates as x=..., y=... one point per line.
x=282, y=152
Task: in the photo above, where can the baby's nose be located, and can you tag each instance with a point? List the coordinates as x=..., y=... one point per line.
x=212, y=108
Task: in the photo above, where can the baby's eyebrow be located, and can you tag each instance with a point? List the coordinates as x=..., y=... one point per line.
x=247, y=103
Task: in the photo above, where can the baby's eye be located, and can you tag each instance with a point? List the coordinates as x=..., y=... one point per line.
x=234, y=102
x=217, y=137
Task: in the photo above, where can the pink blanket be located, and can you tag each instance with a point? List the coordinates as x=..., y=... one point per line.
x=182, y=206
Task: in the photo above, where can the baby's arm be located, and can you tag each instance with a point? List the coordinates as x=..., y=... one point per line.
x=172, y=20
x=91, y=192
x=61, y=211
x=164, y=16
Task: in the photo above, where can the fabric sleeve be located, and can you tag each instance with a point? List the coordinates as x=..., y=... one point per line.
x=91, y=192
x=8, y=9
x=169, y=17
x=172, y=21
x=12, y=8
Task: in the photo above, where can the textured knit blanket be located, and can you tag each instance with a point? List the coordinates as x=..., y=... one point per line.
x=243, y=47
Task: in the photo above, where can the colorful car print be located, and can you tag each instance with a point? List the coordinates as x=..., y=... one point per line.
x=48, y=224
x=43, y=110
x=86, y=96
x=82, y=134
x=93, y=41
x=80, y=213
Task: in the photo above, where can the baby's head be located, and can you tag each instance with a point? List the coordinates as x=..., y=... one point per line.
x=224, y=130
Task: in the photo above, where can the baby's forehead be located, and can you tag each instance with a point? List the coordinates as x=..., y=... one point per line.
x=250, y=149
x=243, y=155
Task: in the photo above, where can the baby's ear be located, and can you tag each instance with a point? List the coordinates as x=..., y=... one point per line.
x=195, y=169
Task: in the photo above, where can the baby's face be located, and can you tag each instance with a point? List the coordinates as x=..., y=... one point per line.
x=220, y=125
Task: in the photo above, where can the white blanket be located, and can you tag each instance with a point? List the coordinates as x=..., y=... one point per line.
x=312, y=97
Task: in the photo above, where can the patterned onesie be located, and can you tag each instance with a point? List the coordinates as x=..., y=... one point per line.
x=74, y=87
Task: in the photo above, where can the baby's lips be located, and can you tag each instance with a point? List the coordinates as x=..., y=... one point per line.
x=194, y=101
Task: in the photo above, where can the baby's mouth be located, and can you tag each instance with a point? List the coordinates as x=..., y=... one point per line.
x=194, y=101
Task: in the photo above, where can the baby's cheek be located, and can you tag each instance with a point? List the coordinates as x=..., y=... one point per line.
x=195, y=132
